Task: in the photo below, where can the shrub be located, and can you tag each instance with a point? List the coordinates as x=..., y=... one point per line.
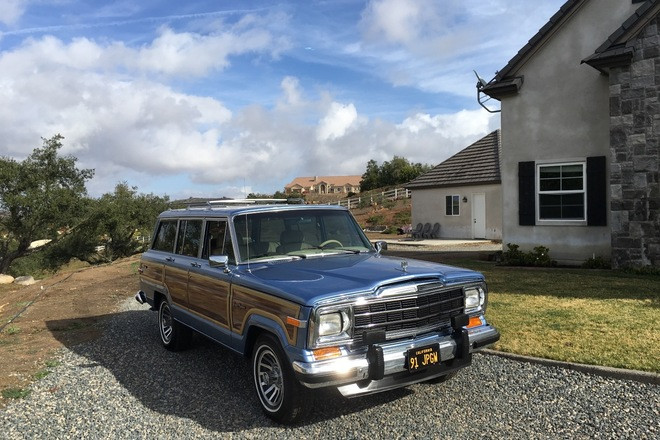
x=596, y=263
x=540, y=256
x=388, y=204
x=375, y=219
x=402, y=217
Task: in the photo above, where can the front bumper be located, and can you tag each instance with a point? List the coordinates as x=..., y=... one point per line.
x=383, y=366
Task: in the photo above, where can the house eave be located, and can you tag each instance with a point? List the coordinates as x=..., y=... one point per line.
x=504, y=87
x=452, y=185
x=604, y=61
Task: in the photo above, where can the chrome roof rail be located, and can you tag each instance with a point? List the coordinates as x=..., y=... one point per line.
x=234, y=202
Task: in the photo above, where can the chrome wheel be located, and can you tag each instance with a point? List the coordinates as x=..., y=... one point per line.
x=268, y=378
x=165, y=321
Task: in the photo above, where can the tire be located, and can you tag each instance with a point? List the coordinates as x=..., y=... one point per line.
x=441, y=379
x=174, y=335
x=281, y=396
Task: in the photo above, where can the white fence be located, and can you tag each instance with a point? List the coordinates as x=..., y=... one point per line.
x=370, y=199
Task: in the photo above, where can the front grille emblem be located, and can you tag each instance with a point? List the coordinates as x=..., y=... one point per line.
x=404, y=266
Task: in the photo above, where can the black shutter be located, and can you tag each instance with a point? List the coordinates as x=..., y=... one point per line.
x=596, y=191
x=526, y=194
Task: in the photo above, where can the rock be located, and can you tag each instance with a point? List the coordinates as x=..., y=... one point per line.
x=24, y=280
x=38, y=243
x=6, y=279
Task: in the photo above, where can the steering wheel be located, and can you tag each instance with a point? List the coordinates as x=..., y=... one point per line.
x=327, y=242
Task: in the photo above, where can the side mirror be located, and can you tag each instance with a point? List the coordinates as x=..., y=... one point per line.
x=219, y=261
x=380, y=246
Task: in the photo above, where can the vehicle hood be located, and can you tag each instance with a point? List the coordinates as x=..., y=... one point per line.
x=314, y=279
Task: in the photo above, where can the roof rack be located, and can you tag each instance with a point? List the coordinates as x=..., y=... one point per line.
x=234, y=202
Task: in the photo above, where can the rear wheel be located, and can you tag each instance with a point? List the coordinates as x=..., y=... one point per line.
x=281, y=396
x=174, y=335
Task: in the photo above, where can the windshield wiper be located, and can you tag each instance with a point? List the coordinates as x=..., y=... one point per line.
x=346, y=251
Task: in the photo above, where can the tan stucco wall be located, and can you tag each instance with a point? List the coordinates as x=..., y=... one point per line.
x=561, y=113
x=428, y=206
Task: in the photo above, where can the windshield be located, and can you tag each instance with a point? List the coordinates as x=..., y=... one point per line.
x=300, y=233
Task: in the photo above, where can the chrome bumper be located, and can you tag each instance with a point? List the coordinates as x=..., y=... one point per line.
x=353, y=374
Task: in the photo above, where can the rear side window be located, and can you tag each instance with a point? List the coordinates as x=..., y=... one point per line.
x=190, y=232
x=165, y=236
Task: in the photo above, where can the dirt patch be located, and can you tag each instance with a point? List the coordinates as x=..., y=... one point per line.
x=76, y=300
x=387, y=215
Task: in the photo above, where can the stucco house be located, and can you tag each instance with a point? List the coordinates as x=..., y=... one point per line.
x=324, y=185
x=580, y=123
x=463, y=193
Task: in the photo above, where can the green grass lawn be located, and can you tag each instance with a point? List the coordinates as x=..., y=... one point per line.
x=599, y=317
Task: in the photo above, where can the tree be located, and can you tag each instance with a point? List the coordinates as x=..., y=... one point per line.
x=41, y=197
x=395, y=172
x=371, y=177
x=119, y=218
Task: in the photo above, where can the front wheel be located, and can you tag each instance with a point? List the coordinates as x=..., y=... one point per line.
x=174, y=335
x=281, y=396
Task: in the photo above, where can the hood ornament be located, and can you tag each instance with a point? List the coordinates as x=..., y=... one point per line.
x=404, y=266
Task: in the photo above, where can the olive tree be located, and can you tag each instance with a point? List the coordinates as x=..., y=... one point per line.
x=119, y=218
x=41, y=198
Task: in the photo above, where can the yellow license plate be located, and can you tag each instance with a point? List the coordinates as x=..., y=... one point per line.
x=423, y=357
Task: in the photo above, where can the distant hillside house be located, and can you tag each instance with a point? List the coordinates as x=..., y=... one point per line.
x=463, y=193
x=324, y=185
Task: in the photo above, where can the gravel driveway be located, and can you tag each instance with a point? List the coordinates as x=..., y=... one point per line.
x=125, y=385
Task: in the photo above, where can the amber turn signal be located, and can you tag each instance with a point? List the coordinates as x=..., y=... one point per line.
x=294, y=322
x=474, y=321
x=326, y=353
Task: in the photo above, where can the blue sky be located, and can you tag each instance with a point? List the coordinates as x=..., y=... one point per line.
x=222, y=98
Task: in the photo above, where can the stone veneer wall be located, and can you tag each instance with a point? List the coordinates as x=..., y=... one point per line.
x=634, y=133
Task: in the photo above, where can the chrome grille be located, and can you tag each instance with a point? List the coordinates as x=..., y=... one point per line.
x=429, y=309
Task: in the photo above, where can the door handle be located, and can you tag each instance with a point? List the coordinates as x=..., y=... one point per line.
x=193, y=264
x=170, y=259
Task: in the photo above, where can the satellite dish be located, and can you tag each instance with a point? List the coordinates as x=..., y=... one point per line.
x=482, y=98
x=481, y=83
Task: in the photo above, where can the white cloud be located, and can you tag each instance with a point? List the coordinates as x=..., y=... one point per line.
x=120, y=117
x=397, y=20
x=435, y=45
x=11, y=11
x=194, y=54
x=336, y=122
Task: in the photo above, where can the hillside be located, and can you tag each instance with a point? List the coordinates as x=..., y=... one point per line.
x=393, y=214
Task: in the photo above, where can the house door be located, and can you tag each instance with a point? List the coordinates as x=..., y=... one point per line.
x=479, y=215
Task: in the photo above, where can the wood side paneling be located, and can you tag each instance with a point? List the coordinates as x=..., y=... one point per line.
x=208, y=297
x=176, y=281
x=246, y=302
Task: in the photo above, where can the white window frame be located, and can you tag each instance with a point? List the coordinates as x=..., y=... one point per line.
x=538, y=193
x=458, y=197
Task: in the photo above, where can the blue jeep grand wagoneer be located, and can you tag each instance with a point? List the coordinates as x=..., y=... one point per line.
x=301, y=291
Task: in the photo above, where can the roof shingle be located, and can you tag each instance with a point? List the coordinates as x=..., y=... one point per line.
x=477, y=164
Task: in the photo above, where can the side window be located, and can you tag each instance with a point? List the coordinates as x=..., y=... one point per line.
x=452, y=205
x=190, y=232
x=165, y=236
x=217, y=240
x=561, y=191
